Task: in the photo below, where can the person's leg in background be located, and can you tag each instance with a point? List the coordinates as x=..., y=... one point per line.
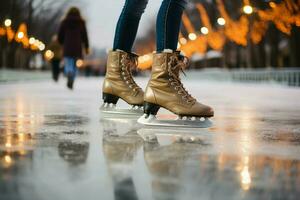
x=165, y=88
x=121, y=60
x=70, y=70
x=55, y=69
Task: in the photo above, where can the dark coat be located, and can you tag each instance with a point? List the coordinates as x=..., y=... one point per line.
x=73, y=36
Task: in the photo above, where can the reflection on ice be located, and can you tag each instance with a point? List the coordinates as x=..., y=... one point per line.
x=245, y=178
x=167, y=135
x=18, y=124
x=74, y=153
x=120, y=149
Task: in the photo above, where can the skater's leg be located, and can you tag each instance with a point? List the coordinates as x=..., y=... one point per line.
x=119, y=82
x=168, y=24
x=128, y=23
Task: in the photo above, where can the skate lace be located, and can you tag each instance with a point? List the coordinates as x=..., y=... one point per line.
x=175, y=65
x=129, y=62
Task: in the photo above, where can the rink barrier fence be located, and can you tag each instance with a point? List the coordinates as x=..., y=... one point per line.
x=290, y=77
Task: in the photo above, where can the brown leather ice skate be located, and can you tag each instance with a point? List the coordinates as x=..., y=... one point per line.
x=166, y=90
x=118, y=82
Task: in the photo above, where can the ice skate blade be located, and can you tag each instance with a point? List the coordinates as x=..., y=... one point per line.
x=111, y=109
x=151, y=120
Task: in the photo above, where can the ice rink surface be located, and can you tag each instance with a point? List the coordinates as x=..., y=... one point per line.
x=54, y=144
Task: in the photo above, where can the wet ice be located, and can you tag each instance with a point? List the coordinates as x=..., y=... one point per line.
x=55, y=144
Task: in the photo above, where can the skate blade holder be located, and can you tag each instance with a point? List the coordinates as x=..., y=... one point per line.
x=185, y=122
x=111, y=109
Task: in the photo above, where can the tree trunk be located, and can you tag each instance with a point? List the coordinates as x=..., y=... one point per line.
x=274, y=44
x=295, y=47
x=238, y=57
x=259, y=55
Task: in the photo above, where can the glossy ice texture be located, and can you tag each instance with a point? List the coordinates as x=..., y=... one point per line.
x=55, y=145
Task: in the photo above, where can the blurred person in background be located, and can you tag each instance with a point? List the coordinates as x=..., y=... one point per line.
x=164, y=88
x=73, y=36
x=56, y=48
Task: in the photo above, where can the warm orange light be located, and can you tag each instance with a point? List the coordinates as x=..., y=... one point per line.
x=21, y=137
x=10, y=34
x=183, y=41
x=145, y=61
x=204, y=30
x=36, y=43
x=283, y=15
x=187, y=23
x=245, y=178
x=7, y=22
x=79, y=63
x=144, y=58
x=192, y=36
x=8, y=145
x=221, y=21
x=22, y=152
x=235, y=30
x=49, y=55
x=31, y=40
x=272, y=4
x=7, y=159
x=214, y=38
x=2, y=31
x=20, y=35
x=248, y=9
x=42, y=46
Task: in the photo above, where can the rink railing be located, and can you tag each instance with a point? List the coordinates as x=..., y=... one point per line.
x=290, y=77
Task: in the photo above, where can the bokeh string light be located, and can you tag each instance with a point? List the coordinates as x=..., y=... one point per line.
x=284, y=15
x=20, y=36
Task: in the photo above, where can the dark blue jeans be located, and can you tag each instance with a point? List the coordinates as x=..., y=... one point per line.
x=167, y=24
x=70, y=68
